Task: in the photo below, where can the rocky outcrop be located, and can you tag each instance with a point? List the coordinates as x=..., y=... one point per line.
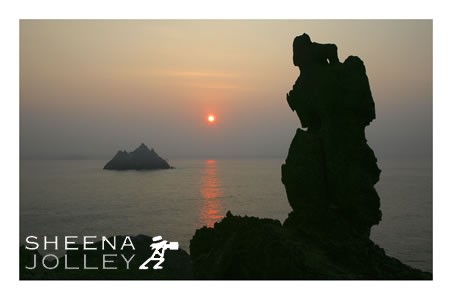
x=330, y=171
x=329, y=176
x=252, y=248
x=140, y=159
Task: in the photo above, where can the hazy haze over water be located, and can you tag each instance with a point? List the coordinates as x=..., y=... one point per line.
x=89, y=88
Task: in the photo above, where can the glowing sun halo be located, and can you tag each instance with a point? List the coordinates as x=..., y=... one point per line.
x=211, y=118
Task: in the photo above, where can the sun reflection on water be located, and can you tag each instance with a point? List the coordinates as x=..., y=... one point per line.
x=211, y=193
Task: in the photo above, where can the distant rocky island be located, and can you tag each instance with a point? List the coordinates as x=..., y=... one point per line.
x=140, y=159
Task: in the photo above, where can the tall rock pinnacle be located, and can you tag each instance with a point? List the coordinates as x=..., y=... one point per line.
x=330, y=171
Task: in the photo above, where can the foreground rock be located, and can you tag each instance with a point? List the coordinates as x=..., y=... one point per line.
x=140, y=159
x=177, y=264
x=253, y=248
x=329, y=176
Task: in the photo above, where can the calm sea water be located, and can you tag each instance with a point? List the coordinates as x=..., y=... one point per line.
x=78, y=197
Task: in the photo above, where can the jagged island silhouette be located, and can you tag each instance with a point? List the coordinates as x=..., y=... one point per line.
x=140, y=159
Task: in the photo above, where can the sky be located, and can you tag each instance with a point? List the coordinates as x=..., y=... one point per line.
x=89, y=88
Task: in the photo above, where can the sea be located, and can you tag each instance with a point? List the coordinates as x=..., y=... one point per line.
x=79, y=198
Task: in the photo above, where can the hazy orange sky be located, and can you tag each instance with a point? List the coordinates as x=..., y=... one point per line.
x=90, y=88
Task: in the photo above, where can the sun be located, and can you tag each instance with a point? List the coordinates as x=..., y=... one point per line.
x=211, y=119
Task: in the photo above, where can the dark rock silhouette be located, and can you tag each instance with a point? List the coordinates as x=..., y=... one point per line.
x=177, y=264
x=252, y=248
x=330, y=171
x=329, y=176
x=140, y=159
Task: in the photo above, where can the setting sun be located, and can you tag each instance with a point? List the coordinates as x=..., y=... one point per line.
x=211, y=118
